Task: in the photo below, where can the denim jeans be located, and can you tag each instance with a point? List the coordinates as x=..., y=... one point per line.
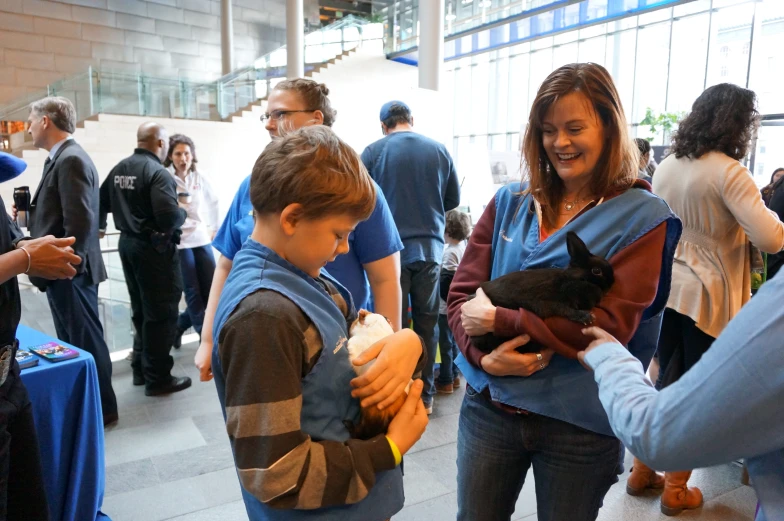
x=419, y=282
x=198, y=267
x=573, y=467
x=448, y=349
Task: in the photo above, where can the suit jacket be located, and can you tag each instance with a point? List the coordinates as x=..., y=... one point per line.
x=66, y=204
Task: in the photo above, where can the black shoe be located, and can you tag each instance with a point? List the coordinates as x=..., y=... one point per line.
x=109, y=419
x=138, y=379
x=172, y=386
x=178, y=339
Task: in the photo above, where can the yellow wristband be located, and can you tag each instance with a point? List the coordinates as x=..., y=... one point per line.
x=395, y=451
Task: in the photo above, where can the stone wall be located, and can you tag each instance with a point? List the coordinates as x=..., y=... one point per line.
x=42, y=41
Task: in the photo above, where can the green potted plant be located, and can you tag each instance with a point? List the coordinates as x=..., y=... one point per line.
x=664, y=121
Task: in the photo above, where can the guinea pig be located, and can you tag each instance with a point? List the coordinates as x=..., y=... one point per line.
x=366, y=330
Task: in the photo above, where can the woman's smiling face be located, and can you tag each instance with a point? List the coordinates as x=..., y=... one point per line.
x=573, y=137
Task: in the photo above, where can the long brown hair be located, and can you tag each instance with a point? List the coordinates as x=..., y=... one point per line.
x=618, y=164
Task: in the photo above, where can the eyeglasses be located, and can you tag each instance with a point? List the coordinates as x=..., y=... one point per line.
x=279, y=114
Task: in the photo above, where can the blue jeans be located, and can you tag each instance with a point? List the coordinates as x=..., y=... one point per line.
x=198, y=267
x=573, y=467
x=419, y=282
x=448, y=349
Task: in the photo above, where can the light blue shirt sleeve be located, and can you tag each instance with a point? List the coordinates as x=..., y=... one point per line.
x=728, y=406
x=377, y=237
x=228, y=240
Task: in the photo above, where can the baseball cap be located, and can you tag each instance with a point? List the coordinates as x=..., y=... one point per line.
x=386, y=109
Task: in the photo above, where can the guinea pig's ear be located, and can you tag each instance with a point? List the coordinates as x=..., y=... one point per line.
x=577, y=249
x=362, y=314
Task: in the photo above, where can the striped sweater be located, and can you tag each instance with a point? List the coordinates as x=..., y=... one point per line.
x=266, y=347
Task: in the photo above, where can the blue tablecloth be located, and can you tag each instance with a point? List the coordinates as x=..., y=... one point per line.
x=69, y=423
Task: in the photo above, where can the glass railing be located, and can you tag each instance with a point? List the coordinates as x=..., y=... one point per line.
x=104, y=91
x=244, y=86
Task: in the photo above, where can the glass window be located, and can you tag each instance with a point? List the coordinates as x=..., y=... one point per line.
x=655, y=16
x=499, y=87
x=767, y=61
x=728, y=61
x=592, y=50
x=564, y=54
x=463, y=100
x=619, y=61
x=498, y=142
x=480, y=82
x=687, y=69
x=696, y=6
x=541, y=67
x=650, y=89
x=590, y=32
x=518, y=92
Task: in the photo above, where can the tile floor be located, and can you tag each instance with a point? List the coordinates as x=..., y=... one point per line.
x=168, y=458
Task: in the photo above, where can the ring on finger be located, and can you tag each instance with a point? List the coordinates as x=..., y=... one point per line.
x=539, y=357
x=542, y=366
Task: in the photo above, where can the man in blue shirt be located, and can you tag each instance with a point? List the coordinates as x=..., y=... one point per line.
x=730, y=405
x=373, y=262
x=419, y=181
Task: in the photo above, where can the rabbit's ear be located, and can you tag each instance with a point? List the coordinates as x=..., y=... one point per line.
x=577, y=249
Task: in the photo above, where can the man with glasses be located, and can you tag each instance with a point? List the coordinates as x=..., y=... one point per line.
x=373, y=263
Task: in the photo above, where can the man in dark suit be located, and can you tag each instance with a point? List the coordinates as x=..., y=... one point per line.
x=66, y=204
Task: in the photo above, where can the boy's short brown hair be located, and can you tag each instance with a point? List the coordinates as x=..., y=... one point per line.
x=458, y=225
x=313, y=167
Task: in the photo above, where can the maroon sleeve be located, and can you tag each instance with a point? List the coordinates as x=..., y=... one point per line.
x=636, y=269
x=474, y=269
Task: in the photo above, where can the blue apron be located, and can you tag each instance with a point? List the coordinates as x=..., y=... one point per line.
x=326, y=391
x=565, y=390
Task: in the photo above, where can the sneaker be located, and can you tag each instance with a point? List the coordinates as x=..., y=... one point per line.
x=429, y=409
x=444, y=388
x=456, y=383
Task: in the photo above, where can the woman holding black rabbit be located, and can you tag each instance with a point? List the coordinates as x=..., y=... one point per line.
x=540, y=409
x=723, y=214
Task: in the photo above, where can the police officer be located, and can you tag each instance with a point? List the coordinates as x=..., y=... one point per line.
x=141, y=194
x=22, y=494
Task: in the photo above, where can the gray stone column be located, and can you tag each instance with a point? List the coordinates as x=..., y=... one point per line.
x=227, y=37
x=295, y=39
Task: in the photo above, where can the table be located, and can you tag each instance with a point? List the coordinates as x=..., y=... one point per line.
x=69, y=424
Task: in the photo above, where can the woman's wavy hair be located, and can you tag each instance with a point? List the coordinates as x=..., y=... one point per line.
x=723, y=119
x=619, y=161
x=180, y=139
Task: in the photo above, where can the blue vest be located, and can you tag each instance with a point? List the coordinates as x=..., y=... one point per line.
x=326, y=391
x=565, y=390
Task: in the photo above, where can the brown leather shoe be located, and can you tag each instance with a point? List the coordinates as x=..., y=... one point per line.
x=444, y=388
x=642, y=478
x=456, y=383
x=678, y=497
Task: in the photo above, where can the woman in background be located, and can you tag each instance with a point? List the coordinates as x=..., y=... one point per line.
x=197, y=261
x=722, y=211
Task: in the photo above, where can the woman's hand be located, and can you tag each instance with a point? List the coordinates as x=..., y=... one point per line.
x=600, y=337
x=478, y=315
x=504, y=360
x=396, y=358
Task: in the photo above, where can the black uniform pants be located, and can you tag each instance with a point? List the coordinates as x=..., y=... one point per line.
x=22, y=493
x=74, y=305
x=155, y=285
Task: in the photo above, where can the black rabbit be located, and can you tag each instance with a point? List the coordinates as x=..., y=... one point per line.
x=548, y=292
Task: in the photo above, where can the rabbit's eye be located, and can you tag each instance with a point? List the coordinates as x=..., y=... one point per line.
x=596, y=271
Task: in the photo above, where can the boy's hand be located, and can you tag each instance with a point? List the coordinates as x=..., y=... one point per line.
x=600, y=337
x=411, y=420
x=203, y=360
x=396, y=358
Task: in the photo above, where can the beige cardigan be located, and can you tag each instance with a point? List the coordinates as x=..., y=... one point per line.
x=722, y=210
